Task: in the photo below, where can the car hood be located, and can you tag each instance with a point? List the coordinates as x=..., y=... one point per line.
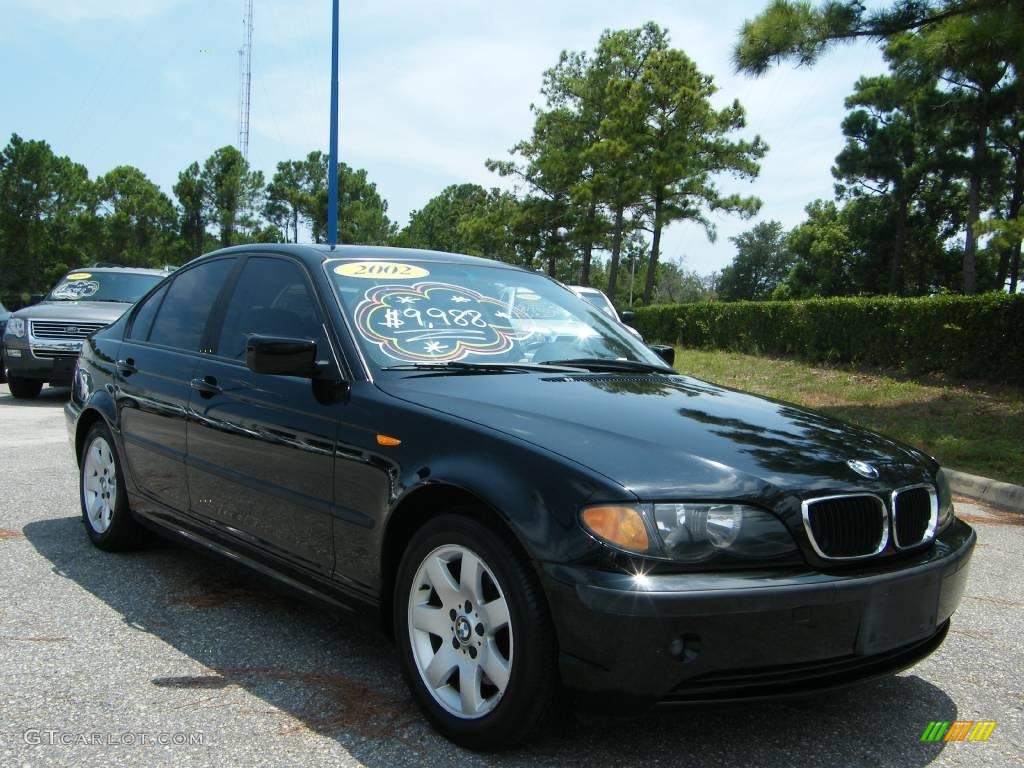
x=666, y=437
x=85, y=311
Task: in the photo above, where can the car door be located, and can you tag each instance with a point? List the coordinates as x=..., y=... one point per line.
x=261, y=447
x=154, y=368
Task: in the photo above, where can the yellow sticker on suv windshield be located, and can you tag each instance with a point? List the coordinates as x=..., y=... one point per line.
x=78, y=276
x=376, y=270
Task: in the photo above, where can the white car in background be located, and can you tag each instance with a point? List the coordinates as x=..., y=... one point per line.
x=534, y=316
x=601, y=301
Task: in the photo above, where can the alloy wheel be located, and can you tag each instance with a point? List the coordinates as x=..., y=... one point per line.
x=460, y=631
x=99, y=484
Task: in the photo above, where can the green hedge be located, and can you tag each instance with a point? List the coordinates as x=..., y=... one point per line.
x=970, y=336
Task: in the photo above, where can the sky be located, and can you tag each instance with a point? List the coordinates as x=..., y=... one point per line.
x=429, y=90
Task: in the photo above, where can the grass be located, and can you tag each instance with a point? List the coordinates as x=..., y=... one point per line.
x=971, y=427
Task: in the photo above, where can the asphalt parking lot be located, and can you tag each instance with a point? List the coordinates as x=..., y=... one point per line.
x=103, y=657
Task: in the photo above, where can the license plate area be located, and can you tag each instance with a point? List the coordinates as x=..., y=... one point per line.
x=898, y=614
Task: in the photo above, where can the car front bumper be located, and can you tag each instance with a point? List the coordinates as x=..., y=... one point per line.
x=51, y=362
x=711, y=637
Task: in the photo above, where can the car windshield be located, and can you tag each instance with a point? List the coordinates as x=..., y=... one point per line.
x=87, y=285
x=431, y=313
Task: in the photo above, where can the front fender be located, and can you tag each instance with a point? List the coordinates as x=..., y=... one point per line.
x=535, y=494
x=531, y=491
x=87, y=404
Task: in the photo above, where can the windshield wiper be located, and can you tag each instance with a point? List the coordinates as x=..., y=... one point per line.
x=460, y=367
x=610, y=364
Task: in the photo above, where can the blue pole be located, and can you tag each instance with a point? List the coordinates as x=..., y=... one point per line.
x=332, y=162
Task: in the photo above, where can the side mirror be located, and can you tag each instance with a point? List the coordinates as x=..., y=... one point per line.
x=628, y=317
x=281, y=356
x=35, y=298
x=665, y=352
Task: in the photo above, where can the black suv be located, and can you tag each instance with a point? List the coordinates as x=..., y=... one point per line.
x=41, y=342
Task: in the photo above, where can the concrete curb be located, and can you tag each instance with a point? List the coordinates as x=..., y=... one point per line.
x=1004, y=495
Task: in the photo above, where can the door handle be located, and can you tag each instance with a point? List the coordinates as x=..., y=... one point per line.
x=206, y=387
x=126, y=367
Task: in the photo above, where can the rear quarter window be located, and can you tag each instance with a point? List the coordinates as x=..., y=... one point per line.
x=143, y=320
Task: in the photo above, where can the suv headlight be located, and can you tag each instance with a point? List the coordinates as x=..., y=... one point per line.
x=945, y=501
x=15, y=327
x=692, y=533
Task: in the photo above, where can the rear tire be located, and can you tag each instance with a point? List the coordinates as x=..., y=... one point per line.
x=108, y=520
x=25, y=389
x=476, y=641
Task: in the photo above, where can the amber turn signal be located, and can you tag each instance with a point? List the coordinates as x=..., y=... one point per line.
x=621, y=526
x=387, y=440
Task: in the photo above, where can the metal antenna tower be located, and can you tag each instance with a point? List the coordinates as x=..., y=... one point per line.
x=245, y=82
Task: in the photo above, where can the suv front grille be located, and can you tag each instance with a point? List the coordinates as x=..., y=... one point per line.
x=846, y=527
x=915, y=513
x=54, y=329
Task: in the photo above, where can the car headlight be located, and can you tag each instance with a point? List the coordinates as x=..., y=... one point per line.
x=621, y=525
x=692, y=533
x=15, y=327
x=945, y=501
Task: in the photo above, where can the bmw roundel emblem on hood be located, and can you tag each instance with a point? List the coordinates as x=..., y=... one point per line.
x=863, y=469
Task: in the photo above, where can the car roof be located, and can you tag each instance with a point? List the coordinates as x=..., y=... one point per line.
x=120, y=270
x=317, y=254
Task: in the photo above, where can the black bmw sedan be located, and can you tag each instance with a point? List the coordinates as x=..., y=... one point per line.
x=532, y=500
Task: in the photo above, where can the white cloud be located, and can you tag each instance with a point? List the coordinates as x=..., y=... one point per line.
x=442, y=106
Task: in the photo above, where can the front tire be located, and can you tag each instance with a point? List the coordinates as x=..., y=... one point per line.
x=25, y=389
x=108, y=520
x=476, y=642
